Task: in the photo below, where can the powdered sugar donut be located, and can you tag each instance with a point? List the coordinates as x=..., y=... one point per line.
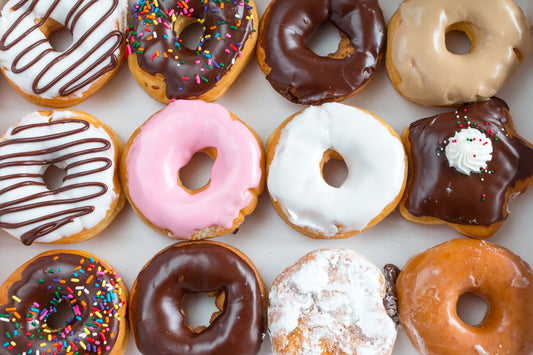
x=330, y=302
x=165, y=143
x=54, y=78
x=90, y=196
x=297, y=152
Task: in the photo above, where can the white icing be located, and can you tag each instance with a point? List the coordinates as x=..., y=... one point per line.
x=374, y=157
x=81, y=59
x=329, y=297
x=101, y=203
x=469, y=150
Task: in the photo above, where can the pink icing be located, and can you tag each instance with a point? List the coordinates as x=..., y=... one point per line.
x=166, y=143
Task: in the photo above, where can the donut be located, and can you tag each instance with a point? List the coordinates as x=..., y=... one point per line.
x=465, y=167
x=297, y=151
x=165, y=143
x=90, y=195
x=303, y=77
x=46, y=76
x=429, y=287
x=424, y=71
x=156, y=313
x=166, y=69
x=64, y=302
x=330, y=302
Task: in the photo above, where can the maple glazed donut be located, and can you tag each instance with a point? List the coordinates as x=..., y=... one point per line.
x=422, y=69
x=165, y=143
x=465, y=166
x=429, y=287
x=156, y=313
x=372, y=152
x=64, y=302
x=304, y=77
x=46, y=76
x=167, y=70
x=330, y=302
x=89, y=197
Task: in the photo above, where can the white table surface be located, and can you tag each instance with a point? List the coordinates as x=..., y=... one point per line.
x=271, y=244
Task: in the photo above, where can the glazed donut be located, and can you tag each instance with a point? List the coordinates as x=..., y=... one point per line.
x=47, y=77
x=422, y=69
x=156, y=314
x=165, y=143
x=465, y=166
x=304, y=77
x=431, y=283
x=330, y=302
x=90, y=196
x=168, y=70
x=297, y=152
x=33, y=300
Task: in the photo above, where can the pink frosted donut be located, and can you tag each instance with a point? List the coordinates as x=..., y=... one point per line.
x=165, y=143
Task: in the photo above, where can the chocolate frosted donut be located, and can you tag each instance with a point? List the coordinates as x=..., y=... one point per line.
x=157, y=319
x=35, y=299
x=167, y=70
x=465, y=165
x=304, y=77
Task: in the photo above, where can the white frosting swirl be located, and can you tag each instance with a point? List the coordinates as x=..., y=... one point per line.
x=469, y=150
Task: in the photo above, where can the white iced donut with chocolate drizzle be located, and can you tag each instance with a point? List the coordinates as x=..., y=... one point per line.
x=48, y=77
x=372, y=152
x=90, y=195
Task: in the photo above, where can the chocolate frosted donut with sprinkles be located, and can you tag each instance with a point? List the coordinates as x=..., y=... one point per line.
x=63, y=302
x=166, y=69
x=50, y=77
x=89, y=196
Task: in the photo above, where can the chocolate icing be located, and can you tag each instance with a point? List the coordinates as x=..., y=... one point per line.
x=156, y=319
x=479, y=199
x=390, y=302
x=302, y=76
x=46, y=282
x=85, y=77
x=194, y=72
x=63, y=215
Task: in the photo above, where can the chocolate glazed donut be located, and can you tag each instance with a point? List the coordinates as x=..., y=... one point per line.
x=157, y=319
x=302, y=76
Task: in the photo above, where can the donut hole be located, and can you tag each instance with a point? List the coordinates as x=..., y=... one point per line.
x=201, y=308
x=53, y=177
x=333, y=168
x=457, y=38
x=472, y=308
x=196, y=174
x=328, y=41
x=62, y=316
x=190, y=32
x=60, y=39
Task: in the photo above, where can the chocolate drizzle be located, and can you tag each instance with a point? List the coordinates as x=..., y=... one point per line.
x=85, y=284
x=90, y=72
x=156, y=314
x=297, y=72
x=48, y=222
x=437, y=190
x=189, y=73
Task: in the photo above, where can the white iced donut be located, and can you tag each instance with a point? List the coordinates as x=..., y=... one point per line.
x=54, y=78
x=90, y=195
x=297, y=152
x=330, y=302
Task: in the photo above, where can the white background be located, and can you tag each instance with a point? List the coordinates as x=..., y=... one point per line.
x=272, y=245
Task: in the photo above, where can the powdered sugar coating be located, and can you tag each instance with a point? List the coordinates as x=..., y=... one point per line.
x=330, y=301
